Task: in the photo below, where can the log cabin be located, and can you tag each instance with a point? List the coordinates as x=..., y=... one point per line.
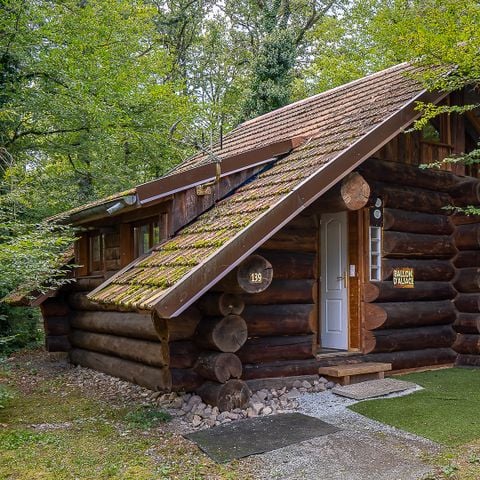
x=310, y=237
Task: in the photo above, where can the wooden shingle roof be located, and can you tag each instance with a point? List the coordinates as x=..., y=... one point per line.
x=342, y=126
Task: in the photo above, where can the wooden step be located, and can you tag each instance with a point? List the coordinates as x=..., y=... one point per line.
x=355, y=373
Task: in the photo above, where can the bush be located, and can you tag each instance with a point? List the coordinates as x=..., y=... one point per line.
x=19, y=328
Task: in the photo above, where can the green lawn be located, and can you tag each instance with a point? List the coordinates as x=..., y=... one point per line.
x=447, y=411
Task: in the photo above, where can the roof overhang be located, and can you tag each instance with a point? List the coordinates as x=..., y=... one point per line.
x=165, y=186
x=180, y=296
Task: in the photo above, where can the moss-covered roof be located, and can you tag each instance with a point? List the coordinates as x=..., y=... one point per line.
x=332, y=121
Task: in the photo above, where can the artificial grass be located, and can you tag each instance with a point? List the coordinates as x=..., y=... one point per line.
x=446, y=411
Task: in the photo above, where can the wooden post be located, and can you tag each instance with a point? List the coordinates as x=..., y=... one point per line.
x=226, y=334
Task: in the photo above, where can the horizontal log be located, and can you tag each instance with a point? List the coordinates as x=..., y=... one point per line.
x=424, y=270
x=416, y=245
x=280, y=369
x=468, y=280
x=459, y=219
x=219, y=366
x=409, y=339
x=408, y=314
x=269, y=349
x=185, y=379
x=467, y=237
x=273, y=320
x=469, y=258
x=386, y=292
x=79, y=301
x=226, y=396
x=177, y=328
x=411, y=199
x=183, y=354
x=428, y=357
x=284, y=292
x=468, y=302
x=410, y=175
x=292, y=265
x=218, y=304
x=226, y=334
x=153, y=378
x=55, y=307
x=415, y=222
x=253, y=275
x=466, y=193
x=141, y=351
x=126, y=324
x=467, y=323
x=57, y=343
x=293, y=240
x=56, y=325
x=468, y=344
x=303, y=222
x=468, y=360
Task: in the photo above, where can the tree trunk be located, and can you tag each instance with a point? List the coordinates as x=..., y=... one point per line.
x=141, y=351
x=274, y=320
x=225, y=396
x=424, y=270
x=408, y=314
x=225, y=334
x=219, y=367
x=413, y=245
x=409, y=339
x=153, y=378
x=386, y=292
x=124, y=324
x=268, y=349
x=217, y=304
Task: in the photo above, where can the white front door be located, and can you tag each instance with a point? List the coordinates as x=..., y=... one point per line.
x=334, y=292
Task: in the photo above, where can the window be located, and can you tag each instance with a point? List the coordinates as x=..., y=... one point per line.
x=375, y=253
x=145, y=237
x=96, y=253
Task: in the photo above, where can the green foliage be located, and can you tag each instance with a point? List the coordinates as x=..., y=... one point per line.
x=146, y=417
x=19, y=328
x=15, y=439
x=6, y=395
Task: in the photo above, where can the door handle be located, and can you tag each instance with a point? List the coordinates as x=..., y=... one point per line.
x=344, y=278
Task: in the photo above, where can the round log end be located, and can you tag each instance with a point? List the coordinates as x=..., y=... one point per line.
x=226, y=396
x=375, y=316
x=230, y=333
x=255, y=274
x=355, y=191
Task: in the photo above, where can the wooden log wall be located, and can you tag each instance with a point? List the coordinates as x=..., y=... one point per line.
x=55, y=313
x=467, y=284
x=412, y=328
x=282, y=320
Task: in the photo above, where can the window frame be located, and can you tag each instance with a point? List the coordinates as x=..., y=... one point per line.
x=375, y=249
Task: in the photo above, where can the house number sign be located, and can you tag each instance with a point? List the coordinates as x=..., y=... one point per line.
x=403, y=277
x=256, y=277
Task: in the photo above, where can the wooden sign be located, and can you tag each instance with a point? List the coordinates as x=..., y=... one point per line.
x=403, y=277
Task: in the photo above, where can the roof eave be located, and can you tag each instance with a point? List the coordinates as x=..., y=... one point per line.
x=204, y=276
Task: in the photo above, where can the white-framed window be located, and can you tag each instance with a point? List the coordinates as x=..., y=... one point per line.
x=375, y=253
